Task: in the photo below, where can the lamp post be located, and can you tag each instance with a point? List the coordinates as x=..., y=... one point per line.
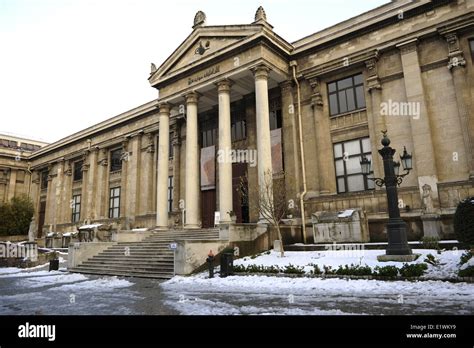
x=397, y=249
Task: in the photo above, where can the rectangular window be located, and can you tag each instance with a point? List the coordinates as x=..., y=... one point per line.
x=275, y=113
x=347, y=156
x=238, y=125
x=77, y=176
x=115, y=160
x=44, y=180
x=76, y=208
x=12, y=144
x=346, y=95
x=114, y=203
x=20, y=176
x=170, y=150
x=170, y=193
x=471, y=46
x=208, y=137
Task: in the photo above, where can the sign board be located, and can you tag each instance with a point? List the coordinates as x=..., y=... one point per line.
x=217, y=218
x=173, y=246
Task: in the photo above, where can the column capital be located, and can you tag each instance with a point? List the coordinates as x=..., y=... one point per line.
x=164, y=108
x=455, y=53
x=261, y=71
x=407, y=46
x=316, y=97
x=286, y=86
x=191, y=98
x=224, y=85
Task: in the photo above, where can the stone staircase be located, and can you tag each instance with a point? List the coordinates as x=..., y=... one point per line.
x=150, y=258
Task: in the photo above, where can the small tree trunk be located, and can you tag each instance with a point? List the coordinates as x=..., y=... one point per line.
x=282, y=251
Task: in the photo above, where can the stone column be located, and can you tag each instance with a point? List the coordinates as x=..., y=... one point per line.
x=420, y=128
x=92, y=184
x=376, y=121
x=324, y=148
x=101, y=190
x=192, y=163
x=264, y=149
x=66, y=194
x=457, y=65
x=147, y=179
x=35, y=197
x=290, y=141
x=132, y=191
x=59, y=207
x=423, y=150
x=11, y=184
x=52, y=194
x=85, y=199
x=225, y=146
x=162, y=175
x=176, y=143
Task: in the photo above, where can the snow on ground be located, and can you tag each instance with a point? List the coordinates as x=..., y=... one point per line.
x=448, y=268
x=315, y=296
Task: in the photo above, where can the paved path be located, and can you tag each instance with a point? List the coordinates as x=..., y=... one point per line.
x=41, y=292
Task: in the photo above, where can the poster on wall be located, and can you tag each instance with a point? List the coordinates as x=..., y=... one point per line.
x=208, y=168
x=277, y=154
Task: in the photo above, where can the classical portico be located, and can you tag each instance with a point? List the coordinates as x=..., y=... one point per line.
x=211, y=70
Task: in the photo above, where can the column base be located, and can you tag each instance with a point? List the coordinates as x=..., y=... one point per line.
x=192, y=227
x=398, y=258
x=397, y=237
x=161, y=228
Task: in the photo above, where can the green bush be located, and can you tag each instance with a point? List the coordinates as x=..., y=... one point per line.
x=430, y=243
x=328, y=270
x=468, y=272
x=465, y=257
x=431, y=259
x=414, y=270
x=15, y=216
x=386, y=271
x=464, y=221
x=316, y=270
x=290, y=269
x=356, y=270
x=239, y=268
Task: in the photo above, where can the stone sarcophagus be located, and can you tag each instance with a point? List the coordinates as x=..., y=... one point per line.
x=345, y=226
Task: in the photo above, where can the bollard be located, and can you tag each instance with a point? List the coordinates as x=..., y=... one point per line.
x=210, y=260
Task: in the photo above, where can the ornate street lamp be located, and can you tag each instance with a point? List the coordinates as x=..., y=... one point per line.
x=397, y=249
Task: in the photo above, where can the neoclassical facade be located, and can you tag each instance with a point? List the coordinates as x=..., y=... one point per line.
x=15, y=173
x=302, y=112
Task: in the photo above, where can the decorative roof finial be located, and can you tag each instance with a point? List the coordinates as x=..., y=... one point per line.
x=260, y=15
x=199, y=19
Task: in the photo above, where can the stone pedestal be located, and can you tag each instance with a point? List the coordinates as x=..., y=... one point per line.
x=431, y=225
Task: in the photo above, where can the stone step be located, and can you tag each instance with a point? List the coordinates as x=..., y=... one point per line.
x=137, y=247
x=123, y=274
x=156, y=257
x=143, y=262
x=128, y=268
x=129, y=264
x=171, y=239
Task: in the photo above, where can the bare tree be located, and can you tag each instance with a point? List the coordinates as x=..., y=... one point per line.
x=270, y=201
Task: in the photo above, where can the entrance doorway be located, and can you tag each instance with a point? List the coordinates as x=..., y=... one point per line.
x=41, y=215
x=208, y=207
x=240, y=202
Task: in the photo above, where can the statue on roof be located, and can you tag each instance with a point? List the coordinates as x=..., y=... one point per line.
x=260, y=15
x=199, y=19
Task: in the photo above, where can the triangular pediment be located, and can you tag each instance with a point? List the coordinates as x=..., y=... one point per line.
x=203, y=44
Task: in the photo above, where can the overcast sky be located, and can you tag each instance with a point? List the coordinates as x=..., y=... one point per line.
x=68, y=64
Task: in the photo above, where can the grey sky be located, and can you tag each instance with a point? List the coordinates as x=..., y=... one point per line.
x=68, y=64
